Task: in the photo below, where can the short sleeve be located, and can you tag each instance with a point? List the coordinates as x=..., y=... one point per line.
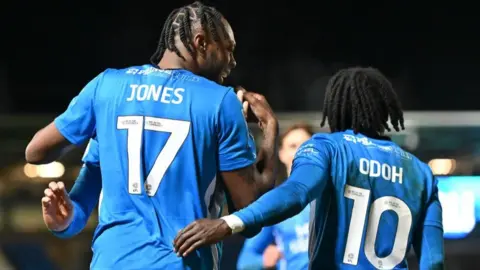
x=77, y=123
x=316, y=151
x=91, y=154
x=236, y=147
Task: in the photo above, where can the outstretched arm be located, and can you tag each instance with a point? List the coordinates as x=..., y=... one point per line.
x=310, y=175
x=300, y=189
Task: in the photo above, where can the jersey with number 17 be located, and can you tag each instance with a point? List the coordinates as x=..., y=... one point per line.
x=374, y=206
x=163, y=135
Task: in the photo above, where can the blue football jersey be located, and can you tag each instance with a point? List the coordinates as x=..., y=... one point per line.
x=290, y=237
x=163, y=135
x=370, y=201
x=372, y=205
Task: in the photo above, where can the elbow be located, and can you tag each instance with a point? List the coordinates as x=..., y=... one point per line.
x=33, y=155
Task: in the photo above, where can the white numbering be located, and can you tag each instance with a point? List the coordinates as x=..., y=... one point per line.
x=360, y=197
x=135, y=125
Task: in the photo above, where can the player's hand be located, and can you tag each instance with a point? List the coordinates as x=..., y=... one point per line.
x=240, y=92
x=261, y=109
x=200, y=233
x=57, y=207
x=271, y=256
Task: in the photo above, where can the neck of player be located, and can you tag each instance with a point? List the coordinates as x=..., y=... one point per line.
x=171, y=60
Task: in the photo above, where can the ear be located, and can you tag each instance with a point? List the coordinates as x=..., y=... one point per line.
x=200, y=43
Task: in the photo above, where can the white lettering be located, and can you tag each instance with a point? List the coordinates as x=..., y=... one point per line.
x=132, y=95
x=373, y=168
x=166, y=94
x=151, y=92
x=363, y=166
x=132, y=71
x=142, y=92
x=397, y=175
x=386, y=171
x=178, y=94
x=154, y=92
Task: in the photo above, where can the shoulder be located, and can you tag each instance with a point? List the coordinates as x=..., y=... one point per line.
x=129, y=71
x=185, y=76
x=215, y=92
x=425, y=170
x=136, y=71
x=426, y=178
x=318, y=143
x=109, y=74
x=319, y=150
x=324, y=138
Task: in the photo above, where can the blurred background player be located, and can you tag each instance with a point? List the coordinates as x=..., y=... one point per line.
x=283, y=245
x=166, y=133
x=373, y=200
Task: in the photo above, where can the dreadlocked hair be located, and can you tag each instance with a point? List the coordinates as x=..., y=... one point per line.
x=180, y=22
x=362, y=99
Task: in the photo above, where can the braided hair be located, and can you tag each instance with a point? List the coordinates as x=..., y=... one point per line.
x=180, y=22
x=362, y=99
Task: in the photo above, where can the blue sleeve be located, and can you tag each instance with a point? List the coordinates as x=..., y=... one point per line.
x=309, y=177
x=236, y=148
x=251, y=256
x=77, y=123
x=428, y=239
x=85, y=192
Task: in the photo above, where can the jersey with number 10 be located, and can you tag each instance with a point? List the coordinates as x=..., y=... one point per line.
x=163, y=135
x=373, y=206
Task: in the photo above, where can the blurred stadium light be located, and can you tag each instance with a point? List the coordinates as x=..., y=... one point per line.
x=442, y=166
x=50, y=170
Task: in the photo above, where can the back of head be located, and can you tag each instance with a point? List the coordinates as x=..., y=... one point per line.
x=361, y=99
x=180, y=22
x=199, y=39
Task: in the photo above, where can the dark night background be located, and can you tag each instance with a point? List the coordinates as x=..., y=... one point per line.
x=429, y=51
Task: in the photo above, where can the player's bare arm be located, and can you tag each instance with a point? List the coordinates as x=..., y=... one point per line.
x=247, y=184
x=46, y=145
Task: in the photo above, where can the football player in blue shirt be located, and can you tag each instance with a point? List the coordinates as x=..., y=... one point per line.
x=373, y=200
x=285, y=244
x=170, y=141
